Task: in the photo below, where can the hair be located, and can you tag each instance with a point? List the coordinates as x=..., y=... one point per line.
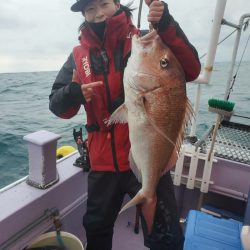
x=126, y=8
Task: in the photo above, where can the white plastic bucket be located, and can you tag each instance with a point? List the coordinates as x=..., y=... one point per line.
x=70, y=241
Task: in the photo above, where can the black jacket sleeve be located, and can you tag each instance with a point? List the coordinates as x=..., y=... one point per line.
x=66, y=96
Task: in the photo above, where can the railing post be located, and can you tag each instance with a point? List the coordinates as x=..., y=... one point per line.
x=42, y=158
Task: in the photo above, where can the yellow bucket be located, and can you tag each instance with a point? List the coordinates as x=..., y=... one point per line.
x=71, y=242
x=64, y=151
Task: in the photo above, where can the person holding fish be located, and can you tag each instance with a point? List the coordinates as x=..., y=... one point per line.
x=133, y=92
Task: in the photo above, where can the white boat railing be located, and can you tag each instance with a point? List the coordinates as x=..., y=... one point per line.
x=191, y=178
x=234, y=54
x=205, y=76
x=206, y=73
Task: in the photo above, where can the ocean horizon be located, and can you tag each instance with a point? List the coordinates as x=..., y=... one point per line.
x=24, y=100
x=49, y=71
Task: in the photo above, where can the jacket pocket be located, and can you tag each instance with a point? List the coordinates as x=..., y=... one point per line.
x=100, y=151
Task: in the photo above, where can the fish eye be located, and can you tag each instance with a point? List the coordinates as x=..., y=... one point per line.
x=164, y=62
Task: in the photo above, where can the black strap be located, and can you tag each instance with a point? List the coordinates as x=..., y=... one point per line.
x=92, y=128
x=117, y=102
x=118, y=58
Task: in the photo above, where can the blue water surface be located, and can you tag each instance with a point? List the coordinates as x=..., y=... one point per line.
x=24, y=102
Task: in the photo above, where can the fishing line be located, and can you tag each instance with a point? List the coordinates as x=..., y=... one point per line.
x=226, y=37
x=234, y=77
x=139, y=14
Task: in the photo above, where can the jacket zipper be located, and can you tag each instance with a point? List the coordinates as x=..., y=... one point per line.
x=112, y=131
x=105, y=77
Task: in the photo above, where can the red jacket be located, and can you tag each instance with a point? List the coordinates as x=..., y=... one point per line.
x=105, y=61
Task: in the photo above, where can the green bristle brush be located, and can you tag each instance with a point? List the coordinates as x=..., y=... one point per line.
x=223, y=108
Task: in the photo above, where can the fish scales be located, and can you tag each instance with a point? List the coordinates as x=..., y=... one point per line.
x=157, y=110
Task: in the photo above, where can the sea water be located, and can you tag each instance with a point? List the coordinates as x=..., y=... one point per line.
x=24, y=102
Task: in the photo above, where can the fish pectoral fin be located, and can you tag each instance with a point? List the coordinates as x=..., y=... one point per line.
x=134, y=168
x=120, y=115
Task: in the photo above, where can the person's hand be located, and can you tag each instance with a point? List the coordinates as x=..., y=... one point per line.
x=88, y=88
x=156, y=9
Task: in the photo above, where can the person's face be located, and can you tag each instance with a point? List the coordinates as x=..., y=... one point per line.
x=99, y=10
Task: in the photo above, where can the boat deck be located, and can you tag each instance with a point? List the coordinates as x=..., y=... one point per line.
x=232, y=143
x=124, y=236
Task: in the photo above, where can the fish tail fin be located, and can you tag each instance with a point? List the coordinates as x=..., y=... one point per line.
x=148, y=208
x=138, y=199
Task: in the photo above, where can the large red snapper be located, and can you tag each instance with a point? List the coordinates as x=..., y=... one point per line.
x=157, y=110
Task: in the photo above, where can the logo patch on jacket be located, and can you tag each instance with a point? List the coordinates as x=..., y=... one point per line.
x=85, y=65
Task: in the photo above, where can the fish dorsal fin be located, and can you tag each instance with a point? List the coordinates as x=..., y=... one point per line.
x=134, y=168
x=189, y=113
x=120, y=115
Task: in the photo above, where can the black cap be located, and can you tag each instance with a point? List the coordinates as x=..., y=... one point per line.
x=79, y=5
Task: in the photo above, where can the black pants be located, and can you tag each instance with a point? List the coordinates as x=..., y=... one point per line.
x=106, y=191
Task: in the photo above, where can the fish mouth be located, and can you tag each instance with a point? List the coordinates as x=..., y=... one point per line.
x=148, y=37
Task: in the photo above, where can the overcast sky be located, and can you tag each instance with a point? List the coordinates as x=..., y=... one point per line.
x=38, y=35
